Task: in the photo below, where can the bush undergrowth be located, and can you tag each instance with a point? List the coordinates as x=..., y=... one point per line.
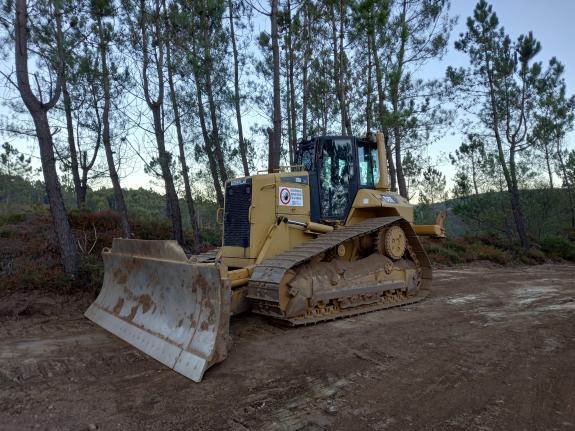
x=492, y=248
x=29, y=254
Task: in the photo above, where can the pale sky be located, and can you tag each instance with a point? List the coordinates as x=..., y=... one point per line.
x=552, y=23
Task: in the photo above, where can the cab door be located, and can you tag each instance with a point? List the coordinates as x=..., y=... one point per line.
x=337, y=178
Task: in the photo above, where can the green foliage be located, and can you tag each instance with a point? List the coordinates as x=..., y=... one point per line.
x=35, y=278
x=533, y=256
x=474, y=167
x=547, y=212
x=146, y=209
x=432, y=186
x=490, y=253
x=11, y=218
x=570, y=168
x=102, y=8
x=469, y=249
x=91, y=274
x=15, y=164
x=498, y=249
x=465, y=250
x=520, y=106
x=462, y=185
x=5, y=232
x=438, y=253
x=412, y=167
x=558, y=247
x=29, y=258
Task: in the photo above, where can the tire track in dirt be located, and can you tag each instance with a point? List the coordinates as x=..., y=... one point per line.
x=489, y=349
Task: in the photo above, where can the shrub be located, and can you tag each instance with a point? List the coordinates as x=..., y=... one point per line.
x=84, y=219
x=494, y=240
x=442, y=255
x=490, y=253
x=91, y=274
x=558, y=247
x=533, y=256
x=452, y=244
x=11, y=218
x=6, y=232
x=37, y=278
x=211, y=237
x=151, y=229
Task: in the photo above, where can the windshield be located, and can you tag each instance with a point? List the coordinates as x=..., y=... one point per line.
x=368, y=164
x=336, y=175
x=305, y=156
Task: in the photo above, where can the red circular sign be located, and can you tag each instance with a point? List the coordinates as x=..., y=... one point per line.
x=285, y=196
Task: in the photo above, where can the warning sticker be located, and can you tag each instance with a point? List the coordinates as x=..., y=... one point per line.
x=291, y=196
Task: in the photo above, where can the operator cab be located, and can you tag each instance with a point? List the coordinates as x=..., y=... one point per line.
x=338, y=167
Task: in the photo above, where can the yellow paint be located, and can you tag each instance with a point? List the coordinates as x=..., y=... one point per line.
x=269, y=236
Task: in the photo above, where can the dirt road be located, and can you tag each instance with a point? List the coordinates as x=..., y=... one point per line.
x=491, y=348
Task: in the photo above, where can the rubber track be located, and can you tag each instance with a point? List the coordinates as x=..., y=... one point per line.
x=266, y=278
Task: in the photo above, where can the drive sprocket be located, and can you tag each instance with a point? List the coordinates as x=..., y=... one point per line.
x=392, y=242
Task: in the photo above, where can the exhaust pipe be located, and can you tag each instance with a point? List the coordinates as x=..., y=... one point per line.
x=383, y=183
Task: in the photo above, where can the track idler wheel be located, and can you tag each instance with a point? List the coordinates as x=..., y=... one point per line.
x=392, y=242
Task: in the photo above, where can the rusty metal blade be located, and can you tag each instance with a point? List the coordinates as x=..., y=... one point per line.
x=174, y=310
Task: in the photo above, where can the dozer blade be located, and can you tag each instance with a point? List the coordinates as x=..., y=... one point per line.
x=174, y=310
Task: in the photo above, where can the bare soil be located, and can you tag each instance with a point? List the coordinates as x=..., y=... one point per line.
x=490, y=348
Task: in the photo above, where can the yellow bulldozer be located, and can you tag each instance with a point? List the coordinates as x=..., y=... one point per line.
x=322, y=240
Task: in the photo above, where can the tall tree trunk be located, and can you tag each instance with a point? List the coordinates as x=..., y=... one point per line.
x=474, y=174
x=343, y=69
x=205, y=134
x=383, y=114
x=395, y=83
x=567, y=182
x=242, y=142
x=368, y=105
x=208, y=148
x=516, y=201
x=183, y=163
x=155, y=106
x=275, y=144
x=121, y=207
x=287, y=104
x=80, y=196
x=84, y=169
x=548, y=162
x=305, y=83
x=291, y=106
x=508, y=171
x=39, y=113
x=85, y=165
x=398, y=162
x=164, y=158
x=337, y=70
x=66, y=241
x=215, y=135
x=271, y=138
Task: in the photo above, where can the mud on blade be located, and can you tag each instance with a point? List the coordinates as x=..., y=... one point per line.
x=154, y=298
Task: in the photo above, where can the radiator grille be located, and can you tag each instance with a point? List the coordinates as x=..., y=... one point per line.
x=236, y=213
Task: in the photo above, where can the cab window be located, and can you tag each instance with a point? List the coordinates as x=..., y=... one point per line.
x=306, y=157
x=368, y=163
x=336, y=175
